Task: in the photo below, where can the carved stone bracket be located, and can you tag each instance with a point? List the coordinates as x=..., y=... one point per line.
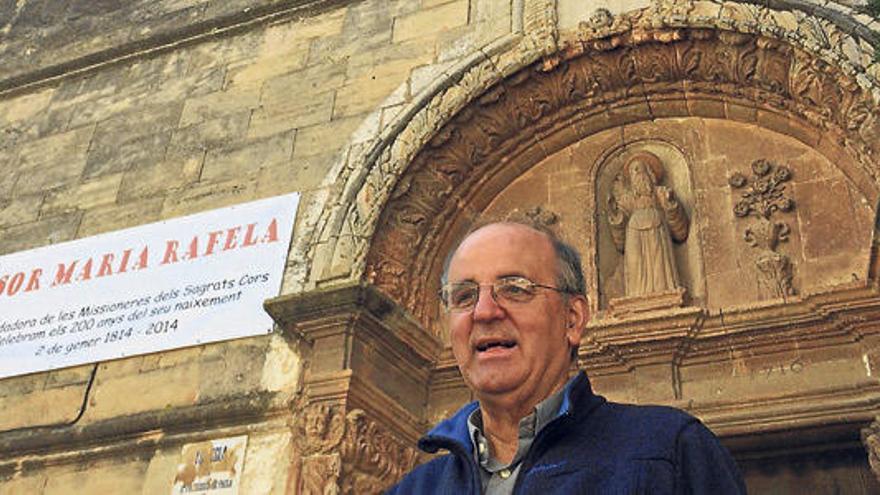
x=764, y=196
x=347, y=453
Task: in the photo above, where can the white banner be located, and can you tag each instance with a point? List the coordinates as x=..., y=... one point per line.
x=177, y=283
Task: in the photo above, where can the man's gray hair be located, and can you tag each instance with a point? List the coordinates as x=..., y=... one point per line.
x=569, y=273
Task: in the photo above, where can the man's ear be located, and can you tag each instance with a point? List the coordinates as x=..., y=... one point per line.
x=578, y=315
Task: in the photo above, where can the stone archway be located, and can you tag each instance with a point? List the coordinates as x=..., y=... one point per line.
x=638, y=76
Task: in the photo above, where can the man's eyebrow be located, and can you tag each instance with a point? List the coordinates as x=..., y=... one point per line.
x=514, y=274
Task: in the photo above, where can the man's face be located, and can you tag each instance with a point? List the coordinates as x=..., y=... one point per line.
x=537, y=335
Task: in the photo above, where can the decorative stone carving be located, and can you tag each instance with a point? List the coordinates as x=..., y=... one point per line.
x=592, y=77
x=766, y=195
x=645, y=217
x=536, y=215
x=348, y=453
x=871, y=441
x=539, y=24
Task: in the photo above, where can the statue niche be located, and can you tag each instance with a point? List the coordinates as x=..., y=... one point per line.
x=645, y=218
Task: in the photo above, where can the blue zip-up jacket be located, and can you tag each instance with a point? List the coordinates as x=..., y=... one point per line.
x=592, y=447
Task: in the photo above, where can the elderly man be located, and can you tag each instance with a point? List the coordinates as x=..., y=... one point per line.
x=516, y=309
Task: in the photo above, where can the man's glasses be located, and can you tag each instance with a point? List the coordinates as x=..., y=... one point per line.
x=463, y=296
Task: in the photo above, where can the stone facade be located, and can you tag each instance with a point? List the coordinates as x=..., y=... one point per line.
x=403, y=122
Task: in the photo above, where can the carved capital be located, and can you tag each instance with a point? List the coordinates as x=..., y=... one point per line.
x=347, y=453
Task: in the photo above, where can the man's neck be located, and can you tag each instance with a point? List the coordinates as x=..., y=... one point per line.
x=501, y=417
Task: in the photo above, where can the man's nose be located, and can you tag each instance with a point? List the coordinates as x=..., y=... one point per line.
x=487, y=308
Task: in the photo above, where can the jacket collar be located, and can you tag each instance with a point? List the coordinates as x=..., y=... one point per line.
x=453, y=433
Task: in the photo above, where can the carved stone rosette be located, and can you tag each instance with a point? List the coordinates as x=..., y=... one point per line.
x=871, y=441
x=764, y=196
x=348, y=453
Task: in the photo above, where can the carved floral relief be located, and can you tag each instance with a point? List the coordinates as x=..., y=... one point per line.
x=763, y=195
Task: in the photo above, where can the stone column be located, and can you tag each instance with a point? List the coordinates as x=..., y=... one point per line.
x=365, y=388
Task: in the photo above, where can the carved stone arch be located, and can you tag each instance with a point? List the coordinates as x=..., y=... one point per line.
x=639, y=75
x=340, y=236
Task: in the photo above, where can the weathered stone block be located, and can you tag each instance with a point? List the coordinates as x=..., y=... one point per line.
x=76, y=375
x=132, y=139
x=299, y=174
x=159, y=389
x=209, y=196
x=124, y=477
x=84, y=196
x=158, y=179
x=22, y=384
x=267, y=469
x=20, y=210
x=159, y=476
x=325, y=138
x=59, y=159
x=219, y=104
x=429, y=22
x=281, y=91
x=828, y=227
x=27, y=485
x=251, y=72
x=127, y=155
x=47, y=230
x=282, y=366
x=237, y=371
x=383, y=85
x=115, y=217
x=719, y=237
x=250, y=158
x=336, y=50
x=225, y=131
x=731, y=288
x=44, y=407
x=25, y=107
x=9, y=177
x=307, y=111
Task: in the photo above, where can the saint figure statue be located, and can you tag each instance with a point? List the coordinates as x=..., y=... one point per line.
x=645, y=217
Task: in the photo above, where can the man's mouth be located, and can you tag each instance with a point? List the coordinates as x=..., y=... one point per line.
x=492, y=344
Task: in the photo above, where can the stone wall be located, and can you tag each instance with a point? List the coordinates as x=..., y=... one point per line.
x=117, y=114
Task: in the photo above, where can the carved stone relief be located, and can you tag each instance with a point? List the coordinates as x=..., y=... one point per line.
x=643, y=196
x=597, y=84
x=348, y=453
x=871, y=441
x=645, y=216
x=764, y=196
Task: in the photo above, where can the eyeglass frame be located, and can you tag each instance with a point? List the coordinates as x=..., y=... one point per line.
x=493, y=293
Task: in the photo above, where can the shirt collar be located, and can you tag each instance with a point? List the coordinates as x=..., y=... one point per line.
x=543, y=414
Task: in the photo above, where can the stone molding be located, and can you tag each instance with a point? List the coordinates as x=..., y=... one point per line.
x=149, y=42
